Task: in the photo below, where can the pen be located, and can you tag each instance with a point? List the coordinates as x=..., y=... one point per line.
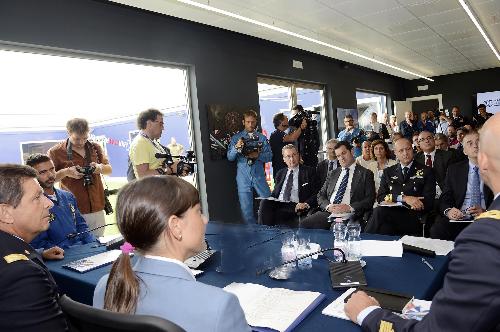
x=427, y=263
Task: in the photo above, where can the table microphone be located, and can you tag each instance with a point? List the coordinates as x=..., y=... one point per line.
x=344, y=260
x=73, y=235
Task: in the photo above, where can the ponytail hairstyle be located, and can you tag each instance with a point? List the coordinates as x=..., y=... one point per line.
x=143, y=208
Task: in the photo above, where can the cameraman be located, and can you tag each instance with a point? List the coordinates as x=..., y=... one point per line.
x=250, y=166
x=279, y=138
x=308, y=142
x=70, y=158
x=146, y=145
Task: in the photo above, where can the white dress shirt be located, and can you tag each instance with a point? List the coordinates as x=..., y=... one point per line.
x=294, y=197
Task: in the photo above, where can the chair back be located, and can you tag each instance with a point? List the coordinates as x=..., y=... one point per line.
x=84, y=318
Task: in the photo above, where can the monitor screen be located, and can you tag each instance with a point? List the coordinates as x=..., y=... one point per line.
x=491, y=100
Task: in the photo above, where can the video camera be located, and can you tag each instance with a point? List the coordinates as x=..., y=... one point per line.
x=186, y=164
x=296, y=120
x=308, y=141
x=87, y=172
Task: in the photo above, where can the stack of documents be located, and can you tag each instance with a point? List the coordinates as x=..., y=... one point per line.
x=381, y=248
x=274, y=308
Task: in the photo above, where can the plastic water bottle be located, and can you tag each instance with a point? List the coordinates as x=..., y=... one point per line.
x=302, y=250
x=354, y=241
x=339, y=232
x=288, y=252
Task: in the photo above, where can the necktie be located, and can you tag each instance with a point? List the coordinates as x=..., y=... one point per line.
x=428, y=161
x=288, y=187
x=330, y=166
x=475, y=199
x=342, y=188
x=405, y=173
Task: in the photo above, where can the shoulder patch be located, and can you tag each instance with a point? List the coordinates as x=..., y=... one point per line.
x=493, y=214
x=385, y=326
x=15, y=257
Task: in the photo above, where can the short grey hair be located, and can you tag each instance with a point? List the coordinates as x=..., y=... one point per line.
x=288, y=147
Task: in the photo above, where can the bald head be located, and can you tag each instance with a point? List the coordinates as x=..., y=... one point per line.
x=403, y=151
x=489, y=154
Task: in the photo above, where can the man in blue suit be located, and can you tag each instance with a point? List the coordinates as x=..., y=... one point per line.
x=470, y=298
x=250, y=164
x=65, y=218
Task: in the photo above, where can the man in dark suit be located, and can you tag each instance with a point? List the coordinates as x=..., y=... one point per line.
x=348, y=189
x=329, y=164
x=409, y=183
x=438, y=160
x=468, y=300
x=296, y=189
x=464, y=194
x=29, y=300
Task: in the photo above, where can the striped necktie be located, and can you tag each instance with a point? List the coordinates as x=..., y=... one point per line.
x=342, y=188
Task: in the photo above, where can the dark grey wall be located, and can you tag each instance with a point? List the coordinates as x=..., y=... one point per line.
x=226, y=64
x=458, y=89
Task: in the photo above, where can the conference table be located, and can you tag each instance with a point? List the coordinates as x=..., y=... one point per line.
x=246, y=249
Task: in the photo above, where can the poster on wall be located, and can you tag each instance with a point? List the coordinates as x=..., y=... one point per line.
x=28, y=148
x=223, y=122
x=342, y=112
x=491, y=100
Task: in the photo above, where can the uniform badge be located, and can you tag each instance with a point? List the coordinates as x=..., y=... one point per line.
x=385, y=326
x=395, y=177
x=388, y=198
x=72, y=208
x=15, y=257
x=52, y=217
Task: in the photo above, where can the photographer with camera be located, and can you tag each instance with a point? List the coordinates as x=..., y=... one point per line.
x=79, y=165
x=147, y=156
x=279, y=138
x=308, y=141
x=251, y=151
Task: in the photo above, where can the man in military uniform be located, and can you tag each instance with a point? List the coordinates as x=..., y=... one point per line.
x=67, y=226
x=469, y=299
x=408, y=183
x=29, y=296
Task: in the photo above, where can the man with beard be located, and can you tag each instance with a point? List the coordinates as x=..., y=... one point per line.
x=65, y=218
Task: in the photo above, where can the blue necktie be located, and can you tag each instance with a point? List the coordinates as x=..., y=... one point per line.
x=475, y=199
x=342, y=188
x=287, y=194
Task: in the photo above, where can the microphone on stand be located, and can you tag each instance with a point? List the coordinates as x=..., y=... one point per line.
x=73, y=235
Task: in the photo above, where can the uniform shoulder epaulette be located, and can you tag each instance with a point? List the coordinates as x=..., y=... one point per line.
x=15, y=257
x=493, y=214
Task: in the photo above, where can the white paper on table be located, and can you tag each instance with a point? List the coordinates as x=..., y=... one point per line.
x=336, y=308
x=440, y=247
x=271, y=198
x=391, y=204
x=461, y=220
x=108, y=238
x=381, y=248
x=275, y=308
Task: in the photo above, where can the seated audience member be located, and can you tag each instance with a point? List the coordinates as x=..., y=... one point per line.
x=160, y=217
x=464, y=193
x=408, y=126
x=366, y=156
x=381, y=160
x=438, y=160
x=443, y=123
x=409, y=183
x=441, y=142
x=395, y=136
x=393, y=125
x=279, y=138
x=415, y=145
x=452, y=136
x=431, y=115
x=297, y=185
x=350, y=130
x=458, y=147
x=65, y=218
x=468, y=300
x=29, y=294
x=348, y=189
x=481, y=117
x=329, y=164
x=457, y=120
x=426, y=124
x=380, y=129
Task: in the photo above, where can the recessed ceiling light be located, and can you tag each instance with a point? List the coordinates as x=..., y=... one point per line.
x=479, y=27
x=293, y=34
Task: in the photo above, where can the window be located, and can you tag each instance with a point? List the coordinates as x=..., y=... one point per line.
x=368, y=103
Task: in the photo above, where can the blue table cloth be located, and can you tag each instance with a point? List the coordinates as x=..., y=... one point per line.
x=245, y=250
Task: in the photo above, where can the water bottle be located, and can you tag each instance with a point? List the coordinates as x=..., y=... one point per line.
x=302, y=250
x=339, y=231
x=288, y=252
x=354, y=241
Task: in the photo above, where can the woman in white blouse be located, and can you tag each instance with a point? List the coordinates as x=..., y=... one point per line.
x=381, y=154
